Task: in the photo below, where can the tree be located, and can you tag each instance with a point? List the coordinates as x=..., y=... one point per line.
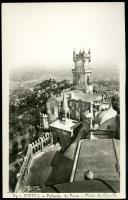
x=23, y=142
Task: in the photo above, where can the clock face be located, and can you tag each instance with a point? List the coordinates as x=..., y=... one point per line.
x=79, y=62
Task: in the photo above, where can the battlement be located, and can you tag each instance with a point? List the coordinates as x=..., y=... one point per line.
x=33, y=149
x=82, y=56
x=43, y=115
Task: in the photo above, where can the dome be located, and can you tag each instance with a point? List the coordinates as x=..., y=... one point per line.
x=106, y=115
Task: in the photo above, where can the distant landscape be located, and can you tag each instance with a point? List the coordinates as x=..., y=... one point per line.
x=29, y=78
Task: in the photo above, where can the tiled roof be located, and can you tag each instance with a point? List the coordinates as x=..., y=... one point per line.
x=85, y=97
x=80, y=95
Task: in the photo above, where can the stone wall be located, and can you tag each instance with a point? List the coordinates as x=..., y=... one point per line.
x=82, y=70
x=78, y=108
x=33, y=149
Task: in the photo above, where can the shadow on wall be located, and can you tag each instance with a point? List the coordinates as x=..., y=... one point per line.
x=61, y=172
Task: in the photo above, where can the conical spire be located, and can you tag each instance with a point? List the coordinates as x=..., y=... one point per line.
x=65, y=105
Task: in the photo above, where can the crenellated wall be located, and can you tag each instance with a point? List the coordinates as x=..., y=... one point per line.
x=33, y=149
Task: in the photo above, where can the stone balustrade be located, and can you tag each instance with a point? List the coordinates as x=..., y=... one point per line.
x=38, y=146
x=41, y=143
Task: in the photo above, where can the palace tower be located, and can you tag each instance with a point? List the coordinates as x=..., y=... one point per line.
x=82, y=74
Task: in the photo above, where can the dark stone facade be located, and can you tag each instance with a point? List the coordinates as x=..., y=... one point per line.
x=78, y=108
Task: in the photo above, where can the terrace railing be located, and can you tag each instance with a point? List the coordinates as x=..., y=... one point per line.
x=33, y=149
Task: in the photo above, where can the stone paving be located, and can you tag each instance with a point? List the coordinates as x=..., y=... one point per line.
x=41, y=167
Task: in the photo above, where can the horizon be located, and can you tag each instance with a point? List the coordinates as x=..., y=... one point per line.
x=60, y=74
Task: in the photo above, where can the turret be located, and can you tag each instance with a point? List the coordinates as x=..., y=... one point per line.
x=82, y=72
x=84, y=55
x=74, y=55
x=83, y=52
x=89, y=53
x=65, y=107
x=44, y=121
x=80, y=52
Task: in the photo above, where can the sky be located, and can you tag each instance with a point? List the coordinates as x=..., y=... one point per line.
x=44, y=35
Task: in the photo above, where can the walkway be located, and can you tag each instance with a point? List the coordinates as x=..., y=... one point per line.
x=52, y=166
x=41, y=168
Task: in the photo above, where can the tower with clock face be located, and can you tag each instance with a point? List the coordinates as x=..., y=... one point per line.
x=82, y=73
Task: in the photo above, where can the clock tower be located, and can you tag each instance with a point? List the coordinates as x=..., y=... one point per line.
x=82, y=74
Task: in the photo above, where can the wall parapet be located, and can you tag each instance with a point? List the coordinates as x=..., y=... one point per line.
x=37, y=146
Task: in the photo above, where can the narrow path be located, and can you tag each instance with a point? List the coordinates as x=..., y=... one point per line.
x=40, y=168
